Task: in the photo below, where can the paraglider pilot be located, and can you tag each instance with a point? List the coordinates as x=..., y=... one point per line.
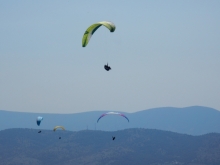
x=107, y=67
x=113, y=138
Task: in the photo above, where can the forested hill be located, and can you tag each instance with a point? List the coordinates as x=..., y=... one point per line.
x=194, y=120
x=131, y=146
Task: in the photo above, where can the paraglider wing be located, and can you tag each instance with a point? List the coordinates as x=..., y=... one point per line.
x=38, y=120
x=101, y=117
x=91, y=29
x=112, y=113
x=124, y=116
x=55, y=128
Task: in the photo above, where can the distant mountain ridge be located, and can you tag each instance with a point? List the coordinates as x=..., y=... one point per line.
x=195, y=120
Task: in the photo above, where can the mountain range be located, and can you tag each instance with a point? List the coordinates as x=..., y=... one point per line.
x=195, y=120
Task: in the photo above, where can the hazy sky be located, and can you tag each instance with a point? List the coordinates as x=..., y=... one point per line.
x=162, y=53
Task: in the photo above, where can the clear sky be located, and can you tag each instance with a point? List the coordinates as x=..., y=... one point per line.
x=162, y=53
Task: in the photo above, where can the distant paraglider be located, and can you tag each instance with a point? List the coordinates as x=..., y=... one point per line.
x=38, y=121
x=112, y=113
x=91, y=30
x=55, y=128
x=107, y=67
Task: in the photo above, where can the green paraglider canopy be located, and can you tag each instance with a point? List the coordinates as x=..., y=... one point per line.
x=91, y=29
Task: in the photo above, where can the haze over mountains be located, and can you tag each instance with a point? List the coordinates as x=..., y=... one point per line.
x=194, y=120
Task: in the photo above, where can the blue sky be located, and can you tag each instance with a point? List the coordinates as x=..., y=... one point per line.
x=162, y=53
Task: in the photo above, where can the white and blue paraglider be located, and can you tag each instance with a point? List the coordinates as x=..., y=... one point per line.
x=38, y=121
